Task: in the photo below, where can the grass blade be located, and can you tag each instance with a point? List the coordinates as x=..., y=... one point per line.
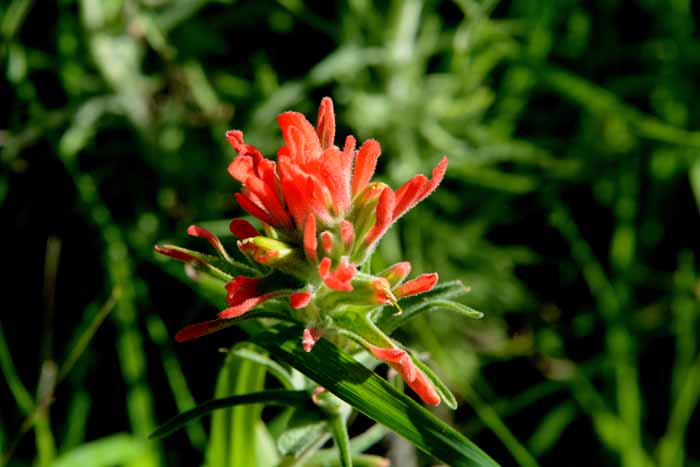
x=271, y=397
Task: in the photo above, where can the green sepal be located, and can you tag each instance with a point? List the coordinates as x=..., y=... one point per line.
x=215, y=266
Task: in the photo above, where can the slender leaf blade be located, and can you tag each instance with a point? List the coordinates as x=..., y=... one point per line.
x=270, y=397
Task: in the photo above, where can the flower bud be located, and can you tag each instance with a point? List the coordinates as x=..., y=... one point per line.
x=275, y=254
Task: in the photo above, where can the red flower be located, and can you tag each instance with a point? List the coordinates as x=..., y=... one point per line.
x=322, y=217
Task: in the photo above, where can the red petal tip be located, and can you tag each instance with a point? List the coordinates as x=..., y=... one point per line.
x=365, y=165
x=299, y=299
x=201, y=232
x=176, y=254
x=243, y=229
x=420, y=284
x=310, y=337
x=397, y=273
x=235, y=139
x=325, y=124
x=310, y=242
x=196, y=330
x=347, y=233
x=327, y=242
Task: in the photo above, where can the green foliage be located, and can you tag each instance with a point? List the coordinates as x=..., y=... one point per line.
x=570, y=211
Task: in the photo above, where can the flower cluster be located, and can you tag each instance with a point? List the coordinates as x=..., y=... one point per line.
x=322, y=216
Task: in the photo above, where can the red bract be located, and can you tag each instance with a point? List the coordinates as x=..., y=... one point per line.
x=400, y=361
x=313, y=187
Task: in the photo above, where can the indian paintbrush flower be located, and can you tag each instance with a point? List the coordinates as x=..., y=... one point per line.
x=322, y=217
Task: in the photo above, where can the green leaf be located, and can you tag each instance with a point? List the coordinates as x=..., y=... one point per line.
x=119, y=449
x=549, y=431
x=273, y=367
x=265, y=448
x=243, y=377
x=694, y=175
x=299, y=438
x=270, y=397
x=358, y=445
x=460, y=308
x=373, y=396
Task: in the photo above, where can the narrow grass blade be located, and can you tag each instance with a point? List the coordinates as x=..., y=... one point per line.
x=119, y=449
x=271, y=397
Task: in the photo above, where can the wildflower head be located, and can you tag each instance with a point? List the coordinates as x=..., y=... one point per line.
x=321, y=216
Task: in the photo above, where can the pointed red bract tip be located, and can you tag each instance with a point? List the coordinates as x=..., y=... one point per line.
x=269, y=200
x=196, y=330
x=397, y=273
x=254, y=209
x=384, y=216
x=299, y=299
x=349, y=146
x=347, y=233
x=420, y=284
x=243, y=229
x=327, y=242
x=310, y=242
x=310, y=337
x=235, y=139
x=213, y=240
x=299, y=143
x=247, y=305
x=408, y=193
x=418, y=188
x=341, y=277
x=401, y=361
x=325, y=123
x=241, y=288
x=324, y=267
x=365, y=165
x=176, y=254
x=425, y=389
x=396, y=356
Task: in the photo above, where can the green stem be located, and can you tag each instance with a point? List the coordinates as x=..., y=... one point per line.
x=341, y=438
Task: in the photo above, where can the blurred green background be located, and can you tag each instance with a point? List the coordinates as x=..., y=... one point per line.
x=570, y=208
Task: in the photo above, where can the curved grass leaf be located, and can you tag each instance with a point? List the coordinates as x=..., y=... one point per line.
x=273, y=367
x=271, y=397
x=373, y=396
x=118, y=449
